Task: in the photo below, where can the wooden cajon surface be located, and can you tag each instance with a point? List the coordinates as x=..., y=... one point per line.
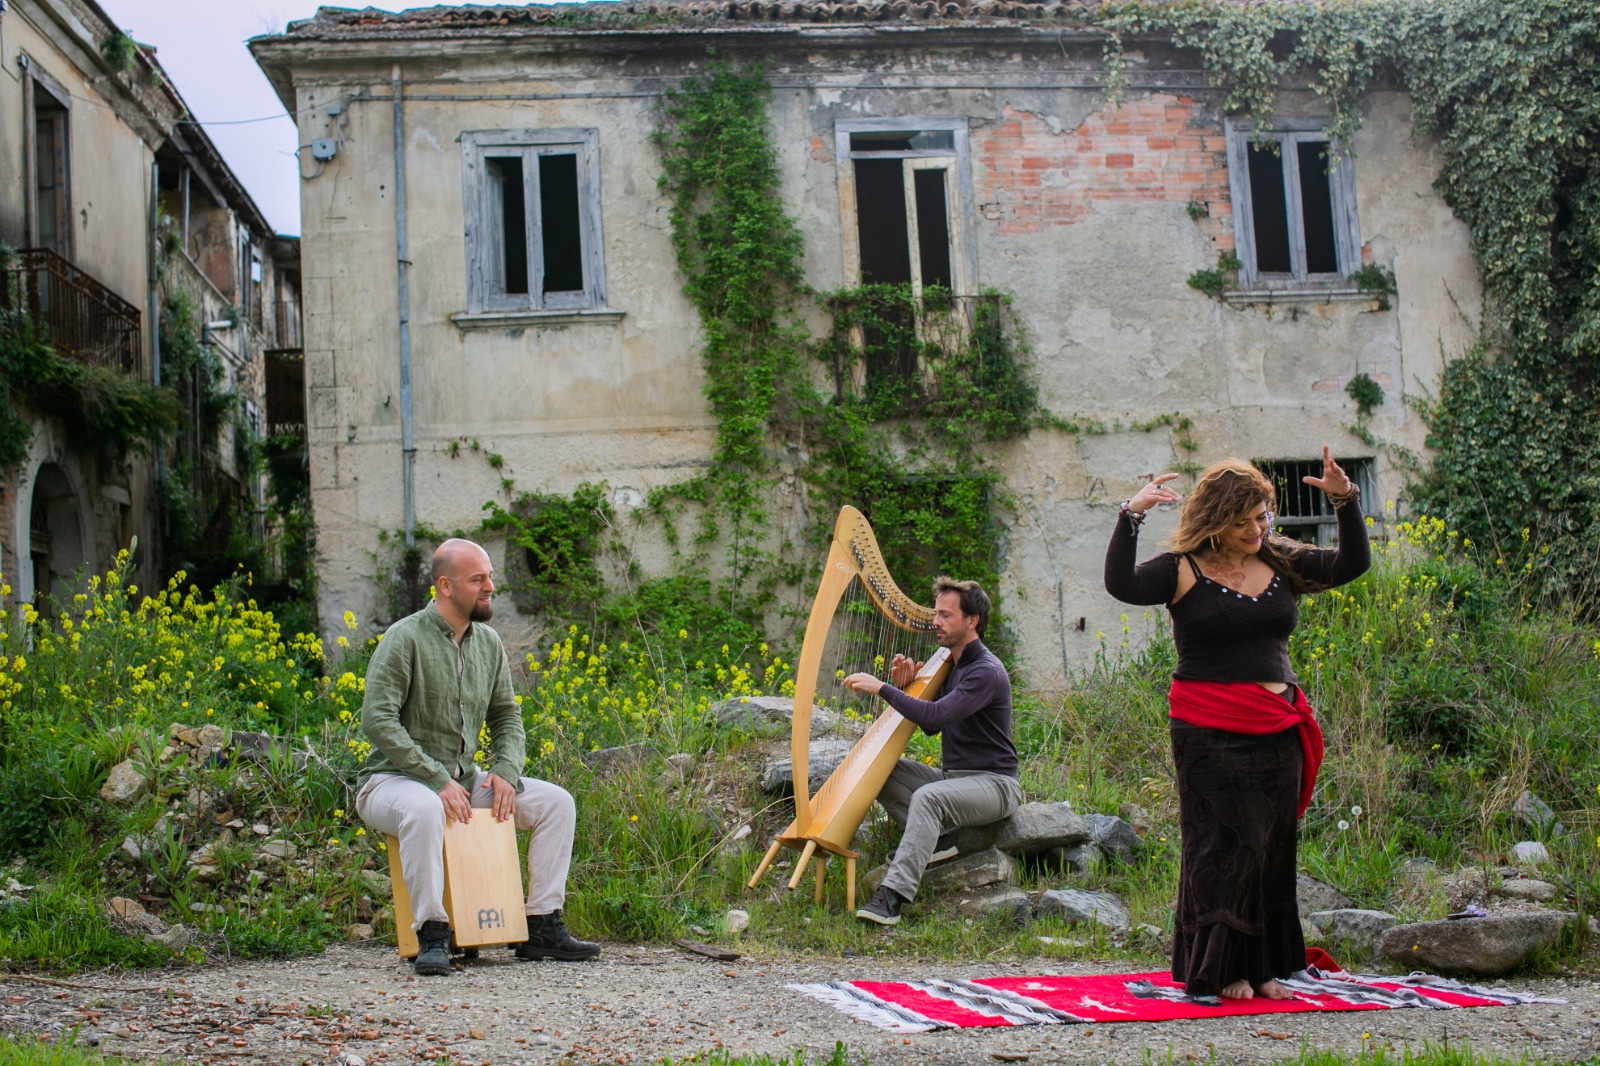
x=482, y=885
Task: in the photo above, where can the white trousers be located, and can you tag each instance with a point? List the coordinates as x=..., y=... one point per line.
x=411, y=811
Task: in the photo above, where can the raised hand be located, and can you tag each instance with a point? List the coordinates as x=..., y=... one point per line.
x=1153, y=493
x=1334, y=481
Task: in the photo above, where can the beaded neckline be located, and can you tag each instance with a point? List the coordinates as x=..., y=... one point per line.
x=1226, y=591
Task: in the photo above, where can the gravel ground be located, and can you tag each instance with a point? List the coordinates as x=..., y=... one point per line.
x=639, y=1004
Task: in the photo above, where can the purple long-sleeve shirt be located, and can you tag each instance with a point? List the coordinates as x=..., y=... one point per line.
x=973, y=716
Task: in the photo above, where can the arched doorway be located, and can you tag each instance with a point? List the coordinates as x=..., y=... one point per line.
x=57, y=548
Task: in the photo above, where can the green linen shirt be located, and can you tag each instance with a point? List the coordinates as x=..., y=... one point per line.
x=427, y=700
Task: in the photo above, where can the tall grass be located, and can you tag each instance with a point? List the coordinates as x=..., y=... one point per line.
x=1443, y=692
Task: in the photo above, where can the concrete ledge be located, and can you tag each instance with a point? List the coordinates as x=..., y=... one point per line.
x=535, y=319
x=1247, y=297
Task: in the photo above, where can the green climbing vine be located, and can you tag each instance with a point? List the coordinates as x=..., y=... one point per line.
x=740, y=255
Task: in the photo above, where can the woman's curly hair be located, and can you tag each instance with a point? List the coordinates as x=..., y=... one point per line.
x=1228, y=490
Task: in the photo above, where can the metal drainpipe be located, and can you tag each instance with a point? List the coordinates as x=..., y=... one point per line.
x=408, y=449
x=155, y=301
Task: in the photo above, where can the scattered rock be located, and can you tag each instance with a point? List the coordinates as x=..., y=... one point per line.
x=124, y=783
x=1074, y=906
x=1487, y=946
x=1530, y=853
x=735, y=922
x=1417, y=870
x=359, y=931
x=1114, y=837
x=207, y=908
x=967, y=872
x=1360, y=929
x=1147, y=936
x=1081, y=859
x=1467, y=887
x=771, y=714
x=263, y=748
x=1316, y=896
x=822, y=759
x=1135, y=816
x=607, y=761
x=1032, y=829
x=1528, y=889
x=1012, y=903
x=132, y=848
x=1535, y=812
x=178, y=938
x=280, y=849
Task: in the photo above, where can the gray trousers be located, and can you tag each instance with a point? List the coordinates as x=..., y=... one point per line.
x=413, y=812
x=927, y=801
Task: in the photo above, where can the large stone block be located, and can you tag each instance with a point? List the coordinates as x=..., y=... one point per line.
x=1085, y=908
x=1361, y=929
x=771, y=714
x=1032, y=829
x=1316, y=896
x=1012, y=903
x=967, y=872
x=822, y=758
x=1114, y=837
x=1487, y=946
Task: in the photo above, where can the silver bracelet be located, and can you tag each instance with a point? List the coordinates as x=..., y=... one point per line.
x=1135, y=518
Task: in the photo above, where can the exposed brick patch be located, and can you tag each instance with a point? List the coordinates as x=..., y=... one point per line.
x=1158, y=149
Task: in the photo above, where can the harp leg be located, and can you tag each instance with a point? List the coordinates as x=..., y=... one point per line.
x=800, y=867
x=850, y=884
x=772, y=853
x=822, y=872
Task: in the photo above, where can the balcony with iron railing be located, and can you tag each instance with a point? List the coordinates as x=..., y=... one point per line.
x=85, y=320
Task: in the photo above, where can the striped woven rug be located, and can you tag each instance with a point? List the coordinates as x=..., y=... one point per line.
x=918, y=1006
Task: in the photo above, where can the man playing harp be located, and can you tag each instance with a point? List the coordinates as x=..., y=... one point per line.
x=977, y=783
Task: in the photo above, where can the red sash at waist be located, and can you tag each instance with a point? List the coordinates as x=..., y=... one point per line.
x=1246, y=707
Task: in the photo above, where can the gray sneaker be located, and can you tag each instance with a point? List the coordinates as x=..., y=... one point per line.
x=433, y=950
x=883, y=908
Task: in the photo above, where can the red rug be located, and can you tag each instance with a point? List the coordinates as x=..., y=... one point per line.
x=918, y=1006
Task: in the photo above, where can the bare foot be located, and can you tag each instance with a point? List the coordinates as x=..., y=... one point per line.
x=1240, y=989
x=1273, y=990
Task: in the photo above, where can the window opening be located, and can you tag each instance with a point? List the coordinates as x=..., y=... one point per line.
x=509, y=228
x=50, y=174
x=533, y=233
x=881, y=221
x=1303, y=511
x=1269, y=210
x=559, y=223
x=1294, y=204
x=933, y=227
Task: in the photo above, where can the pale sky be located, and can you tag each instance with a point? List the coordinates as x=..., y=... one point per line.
x=201, y=45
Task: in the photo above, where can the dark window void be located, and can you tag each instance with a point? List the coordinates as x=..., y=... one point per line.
x=559, y=226
x=881, y=222
x=1303, y=511
x=1316, y=206
x=904, y=141
x=50, y=177
x=1268, y=210
x=933, y=228
x=508, y=196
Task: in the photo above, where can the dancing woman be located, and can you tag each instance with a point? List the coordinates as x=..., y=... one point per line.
x=1245, y=743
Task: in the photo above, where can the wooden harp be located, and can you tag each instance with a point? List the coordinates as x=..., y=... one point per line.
x=857, y=613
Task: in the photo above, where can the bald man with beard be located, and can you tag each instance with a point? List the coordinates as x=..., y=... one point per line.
x=436, y=678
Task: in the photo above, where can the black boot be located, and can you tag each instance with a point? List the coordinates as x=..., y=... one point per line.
x=433, y=950
x=548, y=938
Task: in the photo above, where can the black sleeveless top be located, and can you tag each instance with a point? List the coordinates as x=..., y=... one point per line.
x=1222, y=634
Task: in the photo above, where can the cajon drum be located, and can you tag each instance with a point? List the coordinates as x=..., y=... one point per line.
x=482, y=885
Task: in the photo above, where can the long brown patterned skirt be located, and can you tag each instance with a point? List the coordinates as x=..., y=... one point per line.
x=1237, y=914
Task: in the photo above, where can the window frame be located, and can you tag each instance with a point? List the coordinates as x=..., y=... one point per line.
x=954, y=161
x=530, y=144
x=1290, y=133
x=35, y=81
x=1286, y=473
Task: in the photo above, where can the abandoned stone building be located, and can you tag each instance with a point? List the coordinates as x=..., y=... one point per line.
x=502, y=157
x=113, y=200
